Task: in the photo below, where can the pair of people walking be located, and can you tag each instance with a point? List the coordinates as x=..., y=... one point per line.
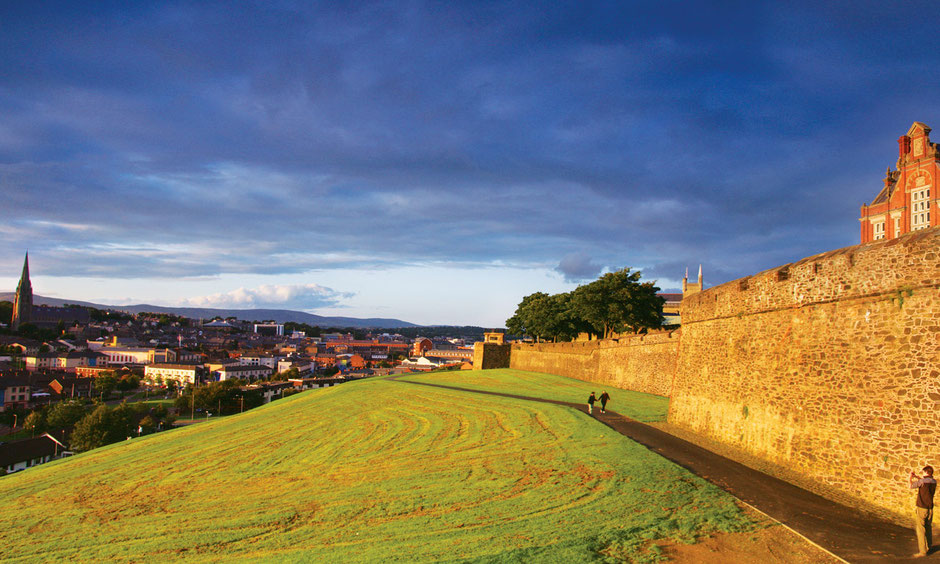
x=603, y=399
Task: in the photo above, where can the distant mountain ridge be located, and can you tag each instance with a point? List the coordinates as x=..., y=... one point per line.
x=278, y=315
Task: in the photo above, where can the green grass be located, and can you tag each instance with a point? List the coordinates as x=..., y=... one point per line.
x=370, y=471
x=636, y=405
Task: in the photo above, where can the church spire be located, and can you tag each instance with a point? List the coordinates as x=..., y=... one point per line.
x=23, y=300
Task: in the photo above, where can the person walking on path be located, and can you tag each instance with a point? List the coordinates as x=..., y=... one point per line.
x=923, y=520
x=591, y=400
x=604, y=399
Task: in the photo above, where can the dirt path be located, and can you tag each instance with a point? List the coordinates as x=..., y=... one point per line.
x=841, y=530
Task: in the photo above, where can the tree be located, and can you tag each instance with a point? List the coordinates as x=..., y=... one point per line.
x=288, y=374
x=525, y=320
x=6, y=312
x=105, y=383
x=127, y=382
x=214, y=395
x=148, y=425
x=562, y=321
x=617, y=302
x=94, y=430
x=65, y=414
x=104, y=426
x=35, y=422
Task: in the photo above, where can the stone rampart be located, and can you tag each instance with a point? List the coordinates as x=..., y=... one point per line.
x=642, y=363
x=829, y=367
x=487, y=356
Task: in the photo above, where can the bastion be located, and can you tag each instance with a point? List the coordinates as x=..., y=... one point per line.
x=829, y=366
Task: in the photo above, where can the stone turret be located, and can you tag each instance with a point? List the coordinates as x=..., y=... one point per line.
x=23, y=301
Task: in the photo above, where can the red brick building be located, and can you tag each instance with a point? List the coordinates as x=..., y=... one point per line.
x=908, y=200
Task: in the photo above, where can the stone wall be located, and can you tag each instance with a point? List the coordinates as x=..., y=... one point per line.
x=487, y=356
x=829, y=366
x=642, y=363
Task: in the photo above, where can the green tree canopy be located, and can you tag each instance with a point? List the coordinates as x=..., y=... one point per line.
x=65, y=414
x=104, y=426
x=35, y=422
x=525, y=321
x=105, y=383
x=618, y=302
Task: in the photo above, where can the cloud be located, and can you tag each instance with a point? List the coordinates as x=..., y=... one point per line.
x=177, y=140
x=277, y=296
x=578, y=267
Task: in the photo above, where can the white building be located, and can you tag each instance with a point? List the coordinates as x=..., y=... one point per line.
x=180, y=373
x=261, y=360
x=240, y=372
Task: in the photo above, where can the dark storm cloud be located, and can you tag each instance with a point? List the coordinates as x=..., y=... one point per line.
x=578, y=267
x=192, y=139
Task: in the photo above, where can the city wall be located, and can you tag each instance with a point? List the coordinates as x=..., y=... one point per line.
x=643, y=363
x=490, y=355
x=829, y=367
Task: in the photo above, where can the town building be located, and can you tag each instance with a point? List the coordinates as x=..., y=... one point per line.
x=908, y=199
x=66, y=361
x=73, y=387
x=267, y=361
x=421, y=345
x=270, y=329
x=240, y=372
x=15, y=390
x=180, y=373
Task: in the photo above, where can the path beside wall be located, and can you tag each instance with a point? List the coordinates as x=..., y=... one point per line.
x=829, y=366
x=642, y=363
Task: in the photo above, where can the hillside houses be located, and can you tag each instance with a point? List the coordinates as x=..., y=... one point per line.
x=163, y=350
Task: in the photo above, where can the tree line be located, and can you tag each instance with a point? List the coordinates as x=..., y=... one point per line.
x=617, y=302
x=98, y=425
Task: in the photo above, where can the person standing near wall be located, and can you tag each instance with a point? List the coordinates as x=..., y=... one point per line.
x=591, y=400
x=605, y=397
x=923, y=520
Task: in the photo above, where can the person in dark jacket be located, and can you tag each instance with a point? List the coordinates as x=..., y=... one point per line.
x=923, y=512
x=604, y=399
x=591, y=400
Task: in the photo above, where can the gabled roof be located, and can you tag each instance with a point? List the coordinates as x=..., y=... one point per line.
x=28, y=449
x=918, y=125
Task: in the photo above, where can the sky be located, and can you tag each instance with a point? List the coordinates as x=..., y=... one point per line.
x=436, y=162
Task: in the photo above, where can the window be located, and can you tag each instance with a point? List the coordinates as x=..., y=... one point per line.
x=897, y=227
x=879, y=230
x=920, y=204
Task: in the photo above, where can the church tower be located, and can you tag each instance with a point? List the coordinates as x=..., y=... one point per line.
x=23, y=301
x=689, y=288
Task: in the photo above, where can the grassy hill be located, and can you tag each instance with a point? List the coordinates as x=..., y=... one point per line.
x=636, y=405
x=372, y=471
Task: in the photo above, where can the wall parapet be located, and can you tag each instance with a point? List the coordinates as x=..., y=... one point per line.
x=838, y=275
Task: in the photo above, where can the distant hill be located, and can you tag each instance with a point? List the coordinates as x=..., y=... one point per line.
x=278, y=315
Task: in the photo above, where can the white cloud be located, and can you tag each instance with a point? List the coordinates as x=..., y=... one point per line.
x=289, y=296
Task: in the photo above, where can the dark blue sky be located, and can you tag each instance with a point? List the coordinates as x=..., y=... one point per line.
x=395, y=158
